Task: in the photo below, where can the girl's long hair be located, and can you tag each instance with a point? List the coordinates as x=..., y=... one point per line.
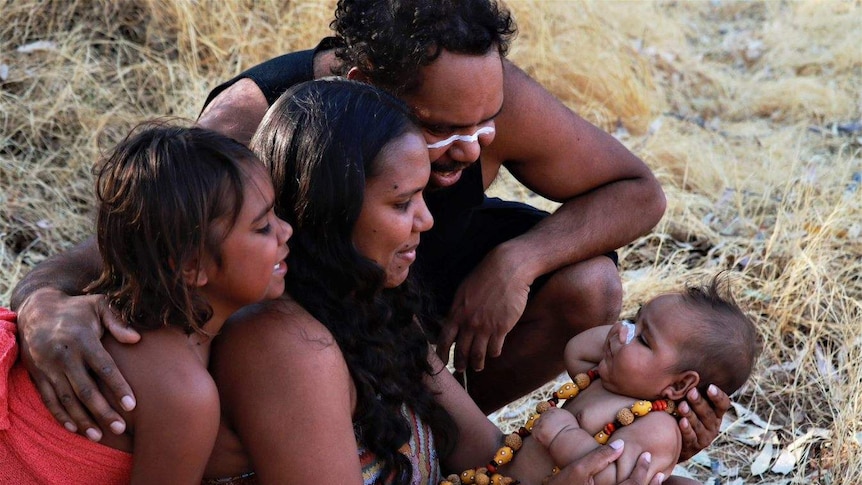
x=159, y=193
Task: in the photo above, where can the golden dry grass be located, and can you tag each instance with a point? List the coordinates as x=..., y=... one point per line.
x=745, y=110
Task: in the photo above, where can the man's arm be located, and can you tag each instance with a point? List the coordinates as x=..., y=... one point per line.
x=609, y=198
x=60, y=331
x=236, y=111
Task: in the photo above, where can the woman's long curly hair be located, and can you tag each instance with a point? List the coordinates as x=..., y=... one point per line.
x=321, y=141
x=390, y=40
x=160, y=193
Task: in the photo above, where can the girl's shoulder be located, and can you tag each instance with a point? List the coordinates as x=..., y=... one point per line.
x=170, y=381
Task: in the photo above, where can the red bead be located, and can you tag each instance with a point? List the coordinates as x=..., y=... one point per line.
x=523, y=432
x=492, y=467
x=610, y=428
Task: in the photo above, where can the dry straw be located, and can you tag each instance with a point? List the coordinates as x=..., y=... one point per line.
x=748, y=112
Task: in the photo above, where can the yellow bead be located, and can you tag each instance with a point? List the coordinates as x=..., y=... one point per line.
x=503, y=456
x=602, y=437
x=567, y=391
x=482, y=480
x=468, y=477
x=641, y=408
x=531, y=421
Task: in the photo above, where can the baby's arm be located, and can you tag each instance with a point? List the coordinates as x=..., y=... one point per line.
x=656, y=433
x=559, y=431
x=585, y=349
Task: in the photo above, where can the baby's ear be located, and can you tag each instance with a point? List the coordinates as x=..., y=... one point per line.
x=683, y=382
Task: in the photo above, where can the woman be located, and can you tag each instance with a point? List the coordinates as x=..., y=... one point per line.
x=336, y=382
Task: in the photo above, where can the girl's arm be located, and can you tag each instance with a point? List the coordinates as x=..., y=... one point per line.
x=177, y=416
x=288, y=394
x=585, y=349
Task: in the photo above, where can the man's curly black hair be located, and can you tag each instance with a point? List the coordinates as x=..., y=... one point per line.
x=390, y=40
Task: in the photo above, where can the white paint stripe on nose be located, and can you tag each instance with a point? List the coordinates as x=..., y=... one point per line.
x=630, y=330
x=485, y=130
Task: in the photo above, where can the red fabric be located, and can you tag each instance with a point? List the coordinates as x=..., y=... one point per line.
x=34, y=448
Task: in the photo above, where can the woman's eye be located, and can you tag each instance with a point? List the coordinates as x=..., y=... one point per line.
x=403, y=205
x=265, y=229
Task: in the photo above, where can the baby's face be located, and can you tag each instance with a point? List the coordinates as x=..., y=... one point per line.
x=639, y=356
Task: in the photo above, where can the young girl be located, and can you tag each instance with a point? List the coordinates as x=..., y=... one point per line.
x=187, y=236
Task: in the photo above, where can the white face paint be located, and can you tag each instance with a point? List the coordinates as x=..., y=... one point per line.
x=485, y=130
x=629, y=328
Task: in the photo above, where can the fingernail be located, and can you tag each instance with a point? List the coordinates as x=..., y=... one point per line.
x=118, y=427
x=128, y=403
x=647, y=457
x=693, y=395
x=93, y=434
x=684, y=423
x=660, y=477
x=71, y=427
x=616, y=444
x=712, y=390
x=683, y=408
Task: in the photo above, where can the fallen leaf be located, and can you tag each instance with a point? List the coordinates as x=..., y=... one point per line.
x=763, y=459
x=785, y=463
x=39, y=45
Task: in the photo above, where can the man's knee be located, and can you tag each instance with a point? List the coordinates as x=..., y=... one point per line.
x=586, y=294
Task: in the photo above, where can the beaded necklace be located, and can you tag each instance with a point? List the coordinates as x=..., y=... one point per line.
x=488, y=475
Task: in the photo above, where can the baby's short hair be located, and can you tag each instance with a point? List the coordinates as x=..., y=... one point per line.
x=724, y=343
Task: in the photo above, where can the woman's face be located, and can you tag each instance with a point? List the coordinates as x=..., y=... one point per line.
x=394, y=212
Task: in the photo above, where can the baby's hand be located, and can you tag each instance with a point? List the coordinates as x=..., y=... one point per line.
x=551, y=423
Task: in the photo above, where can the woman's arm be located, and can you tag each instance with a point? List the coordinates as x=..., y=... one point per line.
x=478, y=437
x=288, y=394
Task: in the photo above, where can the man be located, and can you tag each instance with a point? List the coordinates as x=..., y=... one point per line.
x=511, y=283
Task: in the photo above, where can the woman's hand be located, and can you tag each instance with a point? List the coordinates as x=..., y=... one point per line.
x=582, y=471
x=60, y=346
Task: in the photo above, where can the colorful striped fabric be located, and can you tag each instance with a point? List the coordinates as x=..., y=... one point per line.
x=422, y=454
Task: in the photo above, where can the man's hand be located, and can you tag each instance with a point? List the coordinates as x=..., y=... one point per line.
x=60, y=345
x=582, y=471
x=486, y=307
x=701, y=421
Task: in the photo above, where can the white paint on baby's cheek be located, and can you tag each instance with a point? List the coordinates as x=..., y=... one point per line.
x=629, y=329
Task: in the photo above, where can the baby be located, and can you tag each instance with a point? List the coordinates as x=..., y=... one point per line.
x=676, y=342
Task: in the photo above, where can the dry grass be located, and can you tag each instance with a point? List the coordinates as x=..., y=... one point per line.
x=745, y=110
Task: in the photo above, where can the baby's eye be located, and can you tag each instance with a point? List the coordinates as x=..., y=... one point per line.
x=265, y=229
x=642, y=340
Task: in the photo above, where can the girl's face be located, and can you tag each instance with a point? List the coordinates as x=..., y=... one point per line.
x=253, y=251
x=393, y=211
x=642, y=368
